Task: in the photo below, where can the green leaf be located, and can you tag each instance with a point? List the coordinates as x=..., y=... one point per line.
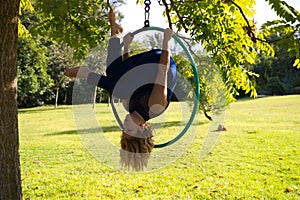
x=297, y=63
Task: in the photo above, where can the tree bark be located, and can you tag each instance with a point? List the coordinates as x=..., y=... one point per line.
x=10, y=181
x=94, y=98
x=100, y=96
x=56, y=97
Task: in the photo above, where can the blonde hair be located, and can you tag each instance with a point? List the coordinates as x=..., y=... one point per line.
x=135, y=150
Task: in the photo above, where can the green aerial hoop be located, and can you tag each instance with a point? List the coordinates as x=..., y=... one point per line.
x=147, y=27
x=197, y=88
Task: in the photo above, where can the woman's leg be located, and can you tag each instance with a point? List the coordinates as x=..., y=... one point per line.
x=158, y=98
x=115, y=28
x=114, y=53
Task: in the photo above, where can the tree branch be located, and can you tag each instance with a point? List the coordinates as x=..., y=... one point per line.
x=250, y=31
x=179, y=17
x=168, y=13
x=249, y=28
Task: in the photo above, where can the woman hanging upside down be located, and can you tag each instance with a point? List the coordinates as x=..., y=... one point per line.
x=145, y=82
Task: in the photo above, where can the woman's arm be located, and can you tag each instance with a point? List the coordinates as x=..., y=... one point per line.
x=158, y=98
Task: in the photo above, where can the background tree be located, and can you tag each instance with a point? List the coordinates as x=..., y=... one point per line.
x=33, y=81
x=10, y=180
x=96, y=61
x=286, y=29
x=277, y=74
x=60, y=57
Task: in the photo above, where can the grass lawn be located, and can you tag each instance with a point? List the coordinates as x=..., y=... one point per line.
x=257, y=158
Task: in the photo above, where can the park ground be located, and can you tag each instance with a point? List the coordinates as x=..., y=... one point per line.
x=258, y=157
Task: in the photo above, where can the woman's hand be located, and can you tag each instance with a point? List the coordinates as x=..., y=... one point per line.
x=77, y=72
x=167, y=37
x=168, y=34
x=127, y=39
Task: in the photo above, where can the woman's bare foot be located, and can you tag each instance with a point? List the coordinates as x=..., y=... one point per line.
x=115, y=28
x=79, y=72
x=118, y=29
x=168, y=34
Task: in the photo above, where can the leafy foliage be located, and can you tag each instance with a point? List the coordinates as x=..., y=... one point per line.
x=287, y=28
x=25, y=7
x=59, y=57
x=33, y=81
x=225, y=30
x=275, y=86
x=222, y=29
x=276, y=71
x=79, y=24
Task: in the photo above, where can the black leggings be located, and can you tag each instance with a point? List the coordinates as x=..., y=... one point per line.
x=124, y=77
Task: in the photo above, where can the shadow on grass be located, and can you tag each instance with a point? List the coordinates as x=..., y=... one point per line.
x=41, y=109
x=70, y=132
x=113, y=128
x=176, y=123
x=85, y=131
x=167, y=124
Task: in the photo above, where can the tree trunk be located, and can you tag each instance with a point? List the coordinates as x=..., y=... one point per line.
x=10, y=181
x=66, y=97
x=56, y=97
x=100, y=96
x=94, y=98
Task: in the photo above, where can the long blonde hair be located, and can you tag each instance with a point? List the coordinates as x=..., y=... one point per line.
x=135, y=150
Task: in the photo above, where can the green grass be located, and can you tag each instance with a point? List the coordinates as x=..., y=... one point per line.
x=257, y=158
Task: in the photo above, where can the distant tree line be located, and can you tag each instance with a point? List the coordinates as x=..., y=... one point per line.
x=277, y=75
x=41, y=65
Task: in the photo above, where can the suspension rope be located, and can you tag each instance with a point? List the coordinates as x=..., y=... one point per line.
x=147, y=13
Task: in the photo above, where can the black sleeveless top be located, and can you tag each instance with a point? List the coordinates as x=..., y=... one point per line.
x=139, y=102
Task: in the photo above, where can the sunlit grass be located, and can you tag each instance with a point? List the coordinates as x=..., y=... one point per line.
x=257, y=158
